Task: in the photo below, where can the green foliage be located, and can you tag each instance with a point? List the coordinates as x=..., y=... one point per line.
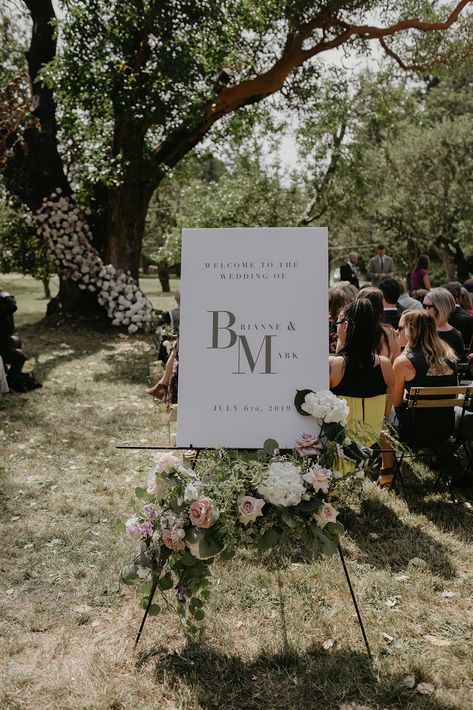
x=203, y=192
x=21, y=248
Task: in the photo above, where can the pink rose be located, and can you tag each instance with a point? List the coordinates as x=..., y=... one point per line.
x=172, y=541
x=319, y=478
x=201, y=513
x=249, y=508
x=308, y=445
x=326, y=514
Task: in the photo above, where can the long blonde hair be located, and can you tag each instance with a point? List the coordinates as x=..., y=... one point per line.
x=421, y=332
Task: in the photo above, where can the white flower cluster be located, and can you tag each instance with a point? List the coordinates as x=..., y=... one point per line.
x=61, y=223
x=326, y=406
x=283, y=485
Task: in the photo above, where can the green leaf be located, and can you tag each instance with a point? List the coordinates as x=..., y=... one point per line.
x=227, y=553
x=146, y=588
x=154, y=609
x=165, y=582
x=198, y=614
x=288, y=519
x=196, y=603
x=270, y=538
x=129, y=575
x=120, y=527
x=141, y=493
x=187, y=559
x=334, y=529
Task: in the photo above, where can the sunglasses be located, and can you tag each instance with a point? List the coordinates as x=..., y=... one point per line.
x=340, y=322
x=400, y=328
x=428, y=305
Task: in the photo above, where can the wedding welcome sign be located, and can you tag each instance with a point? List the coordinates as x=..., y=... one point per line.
x=253, y=330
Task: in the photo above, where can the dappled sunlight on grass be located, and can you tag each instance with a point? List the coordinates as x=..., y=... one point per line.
x=67, y=627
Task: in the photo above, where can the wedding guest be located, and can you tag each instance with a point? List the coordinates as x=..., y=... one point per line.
x=166, y=388
x=466, y=301
x=389, y=286
x=420, y=274
x=349, y=271
x=387, y=342
x=439, y=303
x=419, y=295
x=459, y=318
x=10, y=345
x=408, y=303
x=337, y=299
x=363, y=378
x=427, y=361
x=469, y=285
x=379, y=266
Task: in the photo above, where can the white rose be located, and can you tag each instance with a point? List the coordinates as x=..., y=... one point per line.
x=283, y=485
x=326, y=514
x=249, y=509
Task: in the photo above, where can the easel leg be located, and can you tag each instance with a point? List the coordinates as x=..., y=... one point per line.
x=368, y=650
x=150, y=601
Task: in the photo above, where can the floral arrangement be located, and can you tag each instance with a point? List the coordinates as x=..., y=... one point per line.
x=193, y=514
x=62, y=224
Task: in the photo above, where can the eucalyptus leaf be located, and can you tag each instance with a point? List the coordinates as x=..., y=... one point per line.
x=270, y=538
x=270, y=446
x=299, y=400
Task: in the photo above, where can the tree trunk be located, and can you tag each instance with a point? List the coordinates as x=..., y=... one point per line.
x=126, y=224
x=47, y=290
x=71, y=302
x=163, y=276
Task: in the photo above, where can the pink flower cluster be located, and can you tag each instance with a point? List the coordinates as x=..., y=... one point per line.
x=61, y=222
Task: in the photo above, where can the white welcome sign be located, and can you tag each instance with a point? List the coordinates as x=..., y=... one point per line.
x=253, y=330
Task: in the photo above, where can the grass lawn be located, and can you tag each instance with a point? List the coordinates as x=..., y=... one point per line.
x=67, y=628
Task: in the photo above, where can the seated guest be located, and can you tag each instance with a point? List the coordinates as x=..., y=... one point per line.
x=166, y=388
x=408, y=303
x=389, y=286
x=460, y=319
x=439, y=303
x=363, y=378
x=466, y=301
x=349, y=271
x=387, y=342
x=10, y=344
x=337, y=300
x=427, y=361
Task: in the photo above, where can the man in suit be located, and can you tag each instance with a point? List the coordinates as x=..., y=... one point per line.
x=460, y=319
x=349, y=271
x=391, y=290
x=379, y=266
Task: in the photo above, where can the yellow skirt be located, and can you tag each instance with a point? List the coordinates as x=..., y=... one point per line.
x=365, y=420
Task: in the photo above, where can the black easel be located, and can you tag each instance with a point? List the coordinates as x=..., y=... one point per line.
x=155, y=583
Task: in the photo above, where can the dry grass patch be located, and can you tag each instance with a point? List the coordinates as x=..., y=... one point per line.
x=67, y=628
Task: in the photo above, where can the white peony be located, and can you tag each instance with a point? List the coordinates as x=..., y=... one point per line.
x=326, y=406
x=283, y=485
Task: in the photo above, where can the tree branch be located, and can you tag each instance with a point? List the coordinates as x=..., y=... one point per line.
x=253, y=90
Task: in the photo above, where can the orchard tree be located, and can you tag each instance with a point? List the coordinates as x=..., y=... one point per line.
x=202, y=192
x=139, y=85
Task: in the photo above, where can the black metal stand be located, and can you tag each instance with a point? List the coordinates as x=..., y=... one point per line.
x=355, y=604
x=155, y=583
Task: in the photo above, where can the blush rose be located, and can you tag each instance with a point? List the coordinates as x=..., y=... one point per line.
x=202, y=513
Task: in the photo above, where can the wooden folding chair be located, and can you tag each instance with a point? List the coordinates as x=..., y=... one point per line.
x=434, y=398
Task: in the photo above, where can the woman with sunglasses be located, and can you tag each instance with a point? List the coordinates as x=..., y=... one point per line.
x=440, y=304
x=363, y=378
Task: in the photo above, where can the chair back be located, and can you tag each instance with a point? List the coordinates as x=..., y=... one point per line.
x=430, y=413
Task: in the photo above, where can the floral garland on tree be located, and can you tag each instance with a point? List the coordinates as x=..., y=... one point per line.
x=236, y=499
x=61, y=222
